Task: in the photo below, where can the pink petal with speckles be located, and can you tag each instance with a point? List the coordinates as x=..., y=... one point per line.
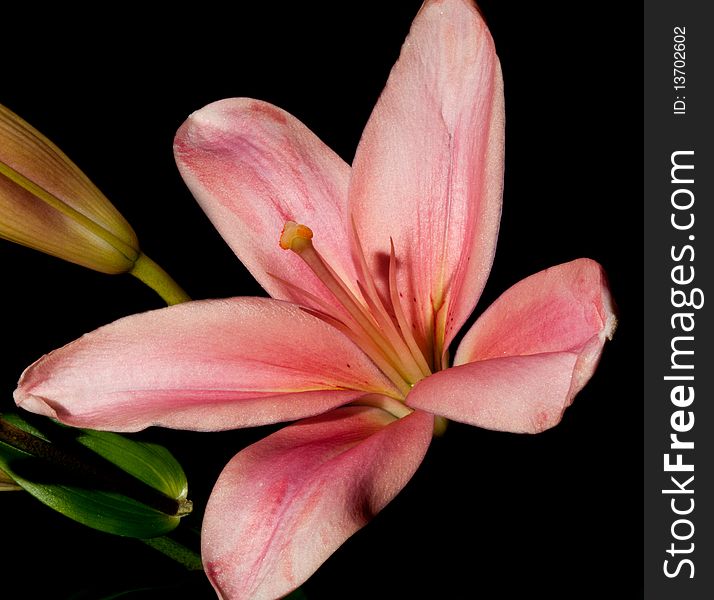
x=283, y=505
x=252, y=167
x=428, y=172
x=207, y=365
x=523, y=361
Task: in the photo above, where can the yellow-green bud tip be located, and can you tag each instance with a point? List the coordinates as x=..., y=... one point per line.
x=48, y=204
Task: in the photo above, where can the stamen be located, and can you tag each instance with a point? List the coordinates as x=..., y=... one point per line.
x=371, y=294
x=351, y=330
x=401, y=317
x=298, y=238
x=440, y=334
x=370, y=349
x=399, y=339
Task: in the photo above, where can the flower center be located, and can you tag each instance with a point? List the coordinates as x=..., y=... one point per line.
x=384, y=336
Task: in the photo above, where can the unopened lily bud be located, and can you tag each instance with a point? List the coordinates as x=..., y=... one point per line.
x=48, y=204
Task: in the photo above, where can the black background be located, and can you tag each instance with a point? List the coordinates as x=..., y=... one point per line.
x=489, y=515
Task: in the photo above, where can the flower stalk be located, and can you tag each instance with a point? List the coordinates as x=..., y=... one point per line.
x=152, y=275
x=179, y=553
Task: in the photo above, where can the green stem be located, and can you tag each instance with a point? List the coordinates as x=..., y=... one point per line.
x=175, y=551
x=440, y=425
x=150, y=273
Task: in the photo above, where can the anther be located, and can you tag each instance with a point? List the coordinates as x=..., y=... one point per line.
x=295, y=237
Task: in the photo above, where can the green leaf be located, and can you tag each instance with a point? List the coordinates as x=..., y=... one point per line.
x=103, y=510
x=150, y=463
x=18, y=421
x=102, y=480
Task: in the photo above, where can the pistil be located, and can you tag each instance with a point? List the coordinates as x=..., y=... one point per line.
x=391, y=347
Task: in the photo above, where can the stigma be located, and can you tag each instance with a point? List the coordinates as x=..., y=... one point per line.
x=295, y=237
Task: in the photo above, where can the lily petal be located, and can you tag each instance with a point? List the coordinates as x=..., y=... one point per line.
x=528, y=355
x=520, y=394
x=252, y=167
x=283, y=505
x=429, y=168
x=557, y=309
x=207, y=365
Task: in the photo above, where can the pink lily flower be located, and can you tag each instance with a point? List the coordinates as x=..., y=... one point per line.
x=372, y=272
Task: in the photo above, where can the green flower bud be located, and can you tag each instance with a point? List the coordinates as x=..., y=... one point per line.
x=48, y=204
